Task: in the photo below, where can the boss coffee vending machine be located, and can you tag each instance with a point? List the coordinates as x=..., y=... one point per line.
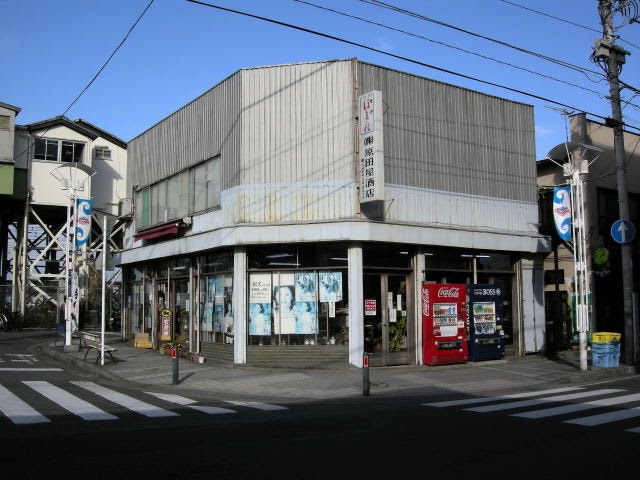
x=486, y=336
x=444, y=324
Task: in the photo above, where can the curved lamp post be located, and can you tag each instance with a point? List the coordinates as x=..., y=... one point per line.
x=72, y=177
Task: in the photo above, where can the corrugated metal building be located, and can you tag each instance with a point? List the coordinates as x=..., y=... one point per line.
x=260, y=183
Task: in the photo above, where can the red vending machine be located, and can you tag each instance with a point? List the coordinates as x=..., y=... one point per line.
x=444, y=324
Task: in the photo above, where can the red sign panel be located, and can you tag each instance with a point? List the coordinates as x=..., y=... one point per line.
x=370, y=307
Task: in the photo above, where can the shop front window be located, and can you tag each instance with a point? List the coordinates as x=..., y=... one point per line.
x=305, y=307
x=216, y=312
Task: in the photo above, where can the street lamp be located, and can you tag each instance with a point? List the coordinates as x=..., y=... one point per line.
x=72, y=177
x=575, y=167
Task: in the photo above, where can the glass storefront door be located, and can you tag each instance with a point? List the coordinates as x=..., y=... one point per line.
x=385, y=318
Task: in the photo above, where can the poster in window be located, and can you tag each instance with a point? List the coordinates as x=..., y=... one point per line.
x=260, y=288
x=207, y=314
x=306, y=318
x=260, y=319
x=218, y=314
x=305, y=287
x=330, y=284
x=284, y=317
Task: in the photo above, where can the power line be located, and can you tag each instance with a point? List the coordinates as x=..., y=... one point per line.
x=96, y=75
x=399, y=57
x=449, y=46
x=381, y=4
x=563, y=20
x=110, y=57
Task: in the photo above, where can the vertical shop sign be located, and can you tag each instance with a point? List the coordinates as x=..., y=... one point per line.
x=83, y=219
x=370, y=115
x=165, y=325
x=562, y=211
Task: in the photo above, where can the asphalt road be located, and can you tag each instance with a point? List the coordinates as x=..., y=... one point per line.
x=92, y=428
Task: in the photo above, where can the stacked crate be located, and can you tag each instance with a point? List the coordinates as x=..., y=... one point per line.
x=605, y=349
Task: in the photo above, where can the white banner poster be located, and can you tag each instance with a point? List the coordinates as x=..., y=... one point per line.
x=83, y=221
x=370, y=122
x=284, y=304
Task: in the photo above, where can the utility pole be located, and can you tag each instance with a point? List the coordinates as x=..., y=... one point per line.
x=611, y=57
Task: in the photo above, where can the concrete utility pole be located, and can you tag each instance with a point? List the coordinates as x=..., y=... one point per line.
x=611, y=57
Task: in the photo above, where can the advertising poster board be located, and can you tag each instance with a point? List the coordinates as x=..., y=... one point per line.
x=284, y=314
x=260, y=304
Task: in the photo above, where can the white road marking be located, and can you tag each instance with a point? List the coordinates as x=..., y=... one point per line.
x=258, y=405
x=579, y=407
x=180, y=400
x=70, y=402
x=126, y=401
x=539, y=401
x=470, y=401
x=18, y=411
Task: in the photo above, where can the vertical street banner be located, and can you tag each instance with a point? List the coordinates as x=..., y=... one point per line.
x=370, y=124
x=83, y=221
x=562, y=211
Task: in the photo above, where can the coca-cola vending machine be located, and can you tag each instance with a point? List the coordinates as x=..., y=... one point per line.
x=444, y=324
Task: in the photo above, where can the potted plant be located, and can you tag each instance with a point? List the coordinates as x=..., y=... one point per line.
x=345, y=335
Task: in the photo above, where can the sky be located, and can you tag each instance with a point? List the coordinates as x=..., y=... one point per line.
x=152, y=57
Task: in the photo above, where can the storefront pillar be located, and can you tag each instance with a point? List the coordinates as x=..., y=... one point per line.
x=418, y=275
x=240, y=305
x=356, y=307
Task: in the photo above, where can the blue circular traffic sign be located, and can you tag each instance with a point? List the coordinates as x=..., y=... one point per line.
x=623, y=231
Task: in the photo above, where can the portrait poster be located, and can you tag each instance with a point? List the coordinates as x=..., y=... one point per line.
x=283, y=303
x=207, y=314
x=207, y=317
x=306, y=318
x=218, y=314
x=306, y=287
x=228, y=301
x=330, y=284
x=260, y=318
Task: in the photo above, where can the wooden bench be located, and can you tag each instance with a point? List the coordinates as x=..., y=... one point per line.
x=92, y=341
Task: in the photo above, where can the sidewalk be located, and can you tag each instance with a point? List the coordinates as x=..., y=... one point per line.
x=149, y=368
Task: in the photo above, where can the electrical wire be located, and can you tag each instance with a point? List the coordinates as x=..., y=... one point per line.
x=448, y=46
x=393, y=55
x=110, y=57
x=95, y=76
x=381, y=4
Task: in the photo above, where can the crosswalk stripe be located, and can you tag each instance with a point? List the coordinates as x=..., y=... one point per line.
x=180, y=400
x=471, y=401
x=578, y=407
x=126, y=401
x=18, y=411
x=634, y=430
x=69, y=402
x=30, y=369
x=606, y=417
x=538, y=401
x=258, y=405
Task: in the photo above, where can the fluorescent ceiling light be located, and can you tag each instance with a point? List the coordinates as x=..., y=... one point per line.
x=280, y=255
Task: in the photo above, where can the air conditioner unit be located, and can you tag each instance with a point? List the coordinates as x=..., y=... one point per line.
x=125, y=207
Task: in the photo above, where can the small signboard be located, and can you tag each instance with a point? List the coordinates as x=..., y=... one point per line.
x=165, y=325
x=623, y=231
x=370, y=307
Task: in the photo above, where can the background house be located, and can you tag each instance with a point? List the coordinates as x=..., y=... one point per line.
x=47, y=161
x=601, y=211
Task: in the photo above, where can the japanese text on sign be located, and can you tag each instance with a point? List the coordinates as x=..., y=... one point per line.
x=371, y=147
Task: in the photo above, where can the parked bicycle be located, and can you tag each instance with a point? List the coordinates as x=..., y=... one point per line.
x=4, y=323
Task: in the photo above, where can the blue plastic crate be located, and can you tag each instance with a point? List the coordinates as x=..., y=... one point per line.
x=605, y=354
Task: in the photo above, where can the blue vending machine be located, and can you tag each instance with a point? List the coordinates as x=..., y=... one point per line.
x=486, y=335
